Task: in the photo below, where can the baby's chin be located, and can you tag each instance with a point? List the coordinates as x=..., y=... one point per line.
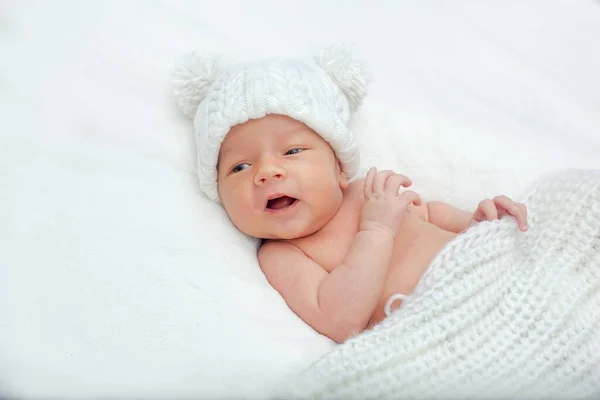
x=285, y=234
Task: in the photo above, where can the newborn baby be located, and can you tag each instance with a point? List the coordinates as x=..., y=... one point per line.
x=274, y=148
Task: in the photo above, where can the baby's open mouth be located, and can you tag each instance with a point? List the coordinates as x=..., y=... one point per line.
x=281, y=202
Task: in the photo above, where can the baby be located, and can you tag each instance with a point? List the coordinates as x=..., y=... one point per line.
x=274, y=148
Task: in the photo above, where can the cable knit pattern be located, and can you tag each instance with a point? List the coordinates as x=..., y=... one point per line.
x=499, y=313
x=221, y=95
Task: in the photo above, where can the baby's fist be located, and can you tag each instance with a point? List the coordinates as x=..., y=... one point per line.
x=498, y=207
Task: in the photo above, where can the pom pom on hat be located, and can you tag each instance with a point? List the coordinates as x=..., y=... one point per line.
x=346, y=71
x=192, y=78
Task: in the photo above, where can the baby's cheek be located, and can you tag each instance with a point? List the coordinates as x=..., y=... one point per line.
x=229, y=195
x=241, y=220
x=242, y=210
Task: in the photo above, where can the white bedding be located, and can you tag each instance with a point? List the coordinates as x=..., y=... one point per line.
x=117, y=277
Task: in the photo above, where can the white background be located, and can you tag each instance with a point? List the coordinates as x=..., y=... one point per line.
x=118, y=278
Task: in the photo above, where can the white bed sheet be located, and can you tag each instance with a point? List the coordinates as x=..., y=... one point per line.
x=118, y=278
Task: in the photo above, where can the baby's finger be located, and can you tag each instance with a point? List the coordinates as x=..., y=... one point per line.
x=368, y=184
x=524, y=209
x=406, y=182
x=380, y=180
x=505, y=203
x=513, y=209
x=521, y=217
x=410, y=197
x=392, y=185
x=486, y=211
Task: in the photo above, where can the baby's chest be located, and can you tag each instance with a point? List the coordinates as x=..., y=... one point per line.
x=329, y=247
x=330, y=252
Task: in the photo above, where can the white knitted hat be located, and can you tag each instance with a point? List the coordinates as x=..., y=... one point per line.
x=320, y=94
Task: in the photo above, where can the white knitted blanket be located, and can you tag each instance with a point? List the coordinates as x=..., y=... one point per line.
x=499, y=313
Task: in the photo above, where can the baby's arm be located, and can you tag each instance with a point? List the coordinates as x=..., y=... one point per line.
x=456, y=220
x=448, y=217
x=339, y=303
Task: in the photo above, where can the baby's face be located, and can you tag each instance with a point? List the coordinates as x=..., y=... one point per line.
x=278, y=179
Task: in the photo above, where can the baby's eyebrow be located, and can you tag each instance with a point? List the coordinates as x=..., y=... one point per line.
x=282, y=133
x=225, y=150
x=292, y=131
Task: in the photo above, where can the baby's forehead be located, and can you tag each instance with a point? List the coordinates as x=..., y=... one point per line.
x=263, y=132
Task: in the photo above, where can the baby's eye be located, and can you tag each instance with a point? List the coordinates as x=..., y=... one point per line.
x=240, y=167
x=293, y=151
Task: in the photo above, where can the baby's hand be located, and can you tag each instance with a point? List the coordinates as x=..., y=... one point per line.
x=385, y=207
x=498, y=207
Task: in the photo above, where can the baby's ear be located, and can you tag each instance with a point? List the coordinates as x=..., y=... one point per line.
x=346, y=71
x=342, y=177
x=193, y=75
x=343, y=181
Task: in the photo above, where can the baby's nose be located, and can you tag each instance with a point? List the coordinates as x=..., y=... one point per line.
x=269, y=171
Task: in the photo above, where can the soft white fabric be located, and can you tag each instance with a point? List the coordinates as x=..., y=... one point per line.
x=119, y=278
x=499, y=314
x=320, y=94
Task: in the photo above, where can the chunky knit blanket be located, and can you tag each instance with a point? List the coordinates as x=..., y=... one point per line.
x=499, y=313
